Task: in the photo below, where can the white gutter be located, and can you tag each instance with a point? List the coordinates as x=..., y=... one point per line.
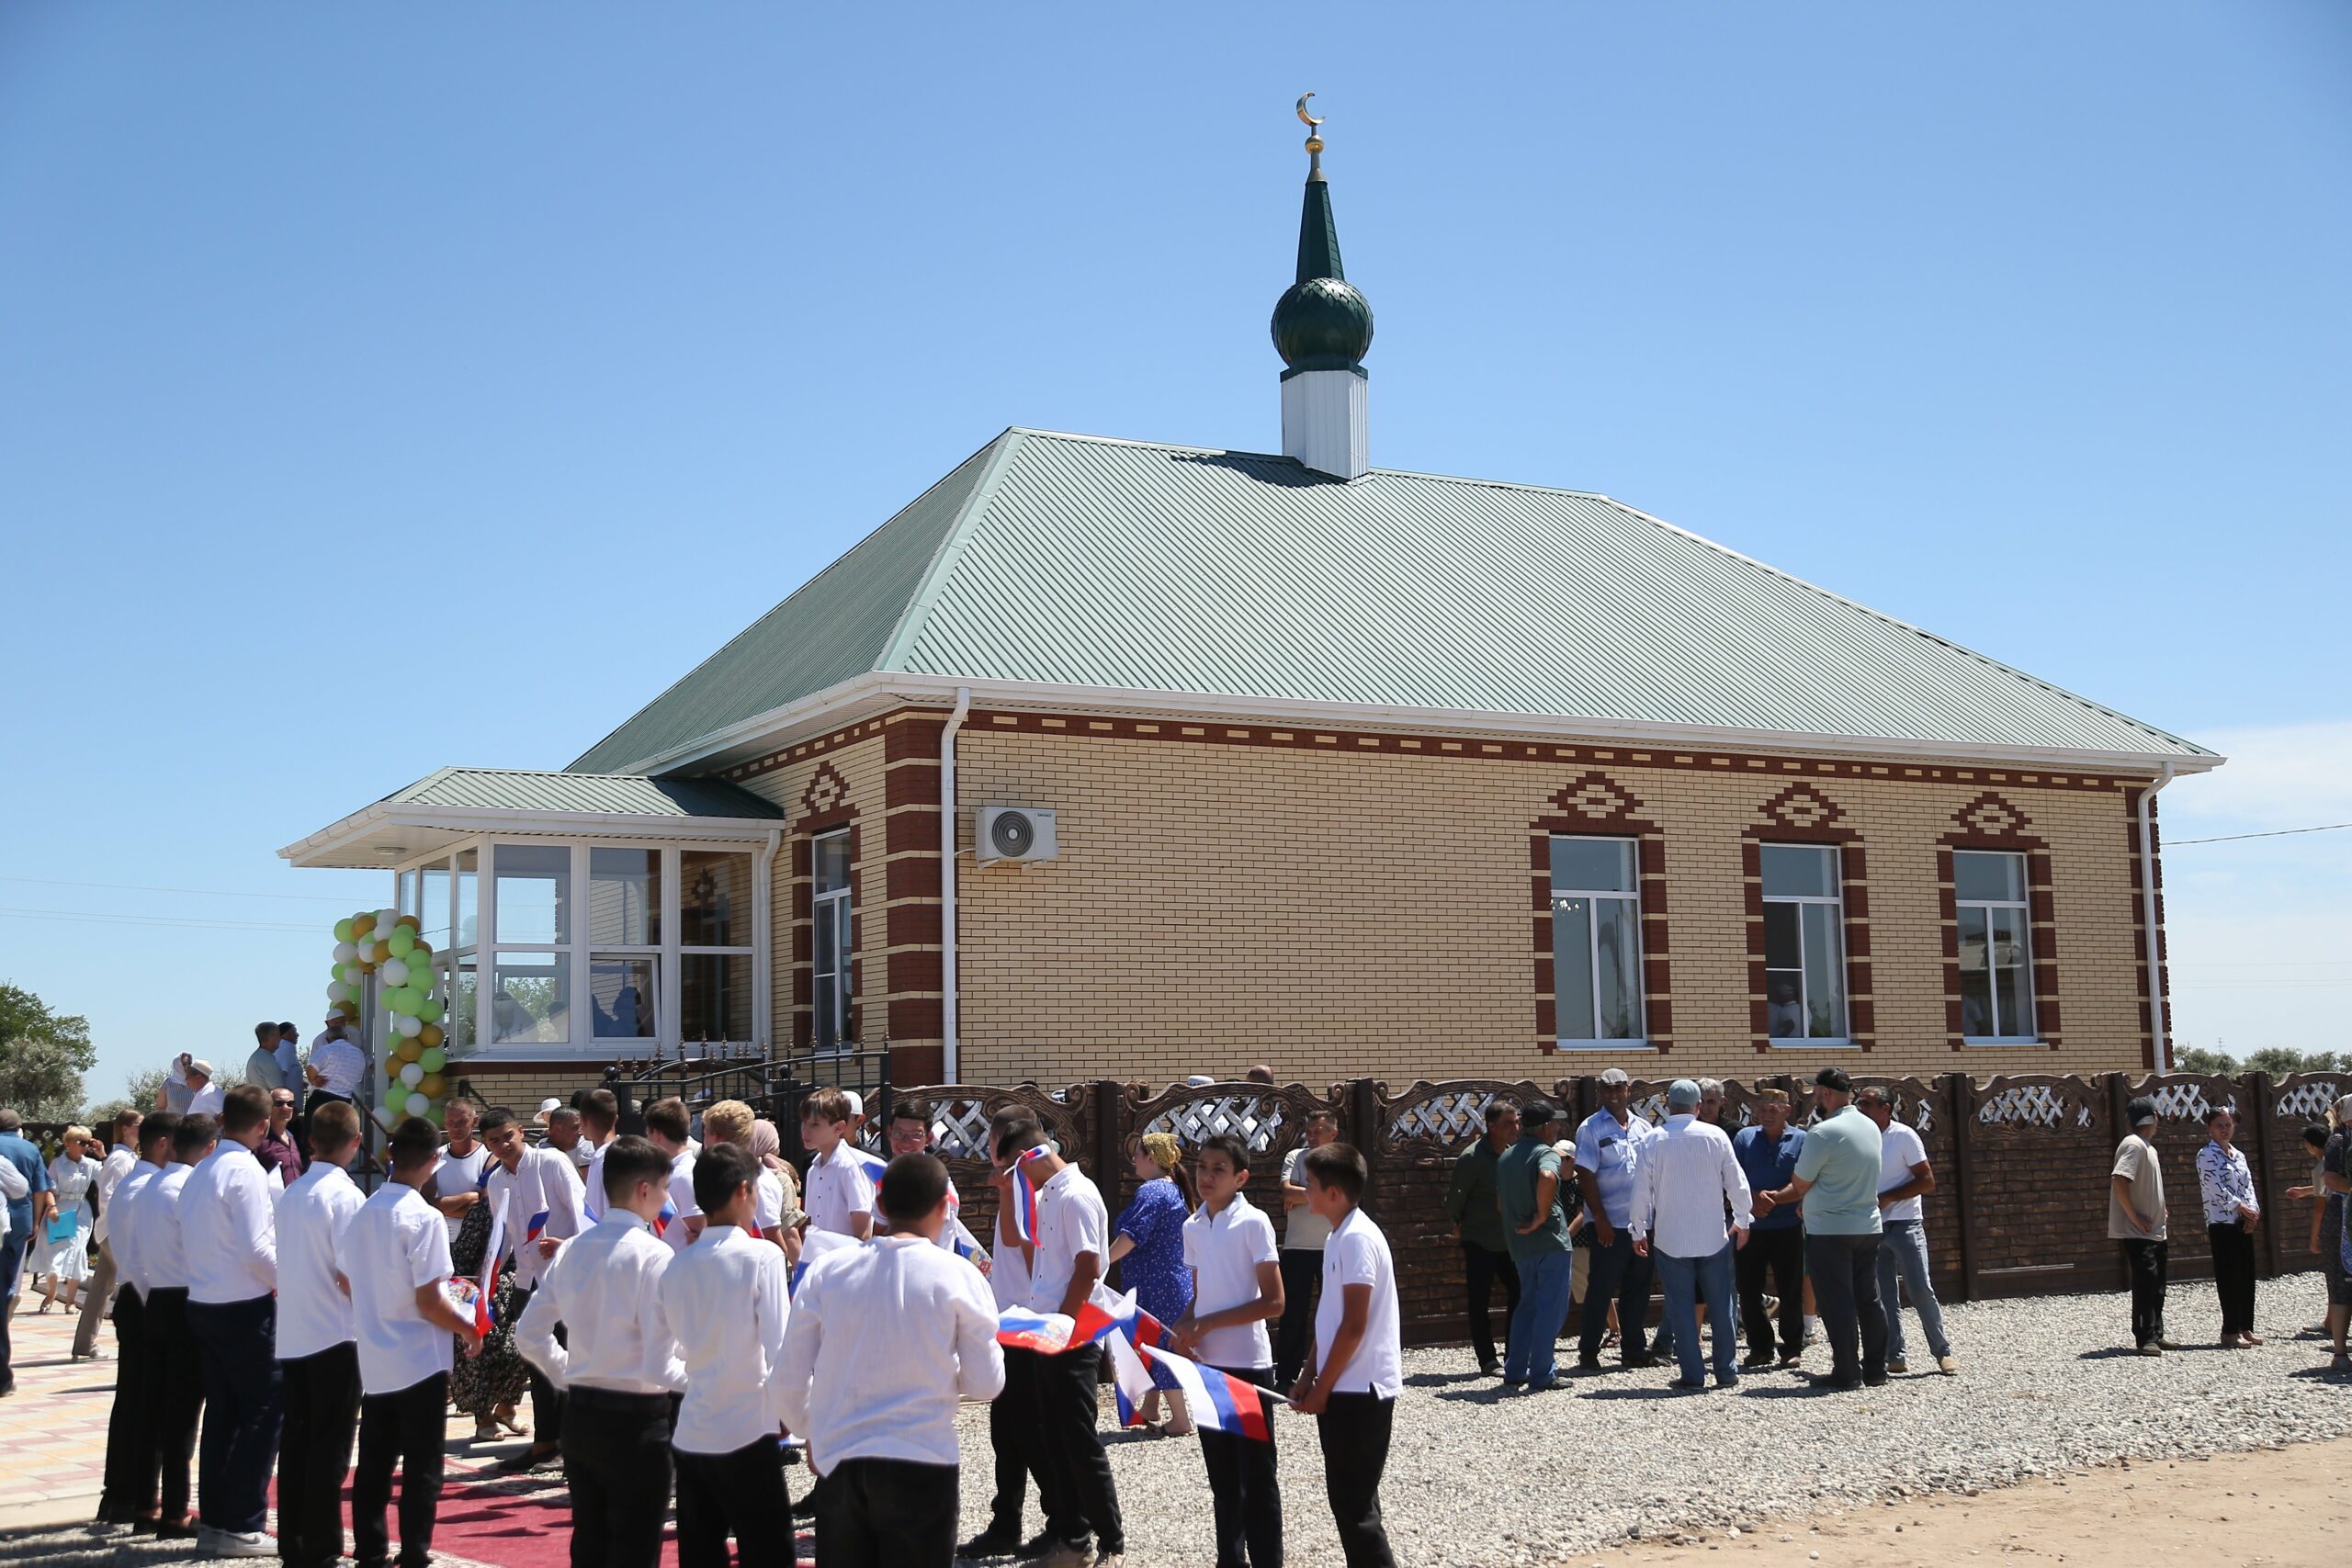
x=763, y=946
x=2163, y=1050
x=947, y=1040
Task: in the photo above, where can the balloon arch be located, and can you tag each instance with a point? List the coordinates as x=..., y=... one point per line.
x=392, y=949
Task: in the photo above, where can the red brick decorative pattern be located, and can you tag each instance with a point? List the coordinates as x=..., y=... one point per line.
x=1593, y=805
x=1992, y=821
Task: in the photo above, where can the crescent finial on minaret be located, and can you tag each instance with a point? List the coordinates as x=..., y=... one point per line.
x=1313, y=139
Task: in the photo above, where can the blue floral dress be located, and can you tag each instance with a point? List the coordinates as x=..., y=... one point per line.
x=1155, y=1271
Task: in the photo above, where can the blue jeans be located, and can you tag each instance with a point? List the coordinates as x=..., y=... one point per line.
x=1688, y=1282
x=1535, y=1326
x=1903, y=1253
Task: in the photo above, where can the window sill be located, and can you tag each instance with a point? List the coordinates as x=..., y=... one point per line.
x=1805, y=1043
x=1976, y=1043
x=1603, y=1045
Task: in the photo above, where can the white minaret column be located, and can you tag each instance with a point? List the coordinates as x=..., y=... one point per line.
x=1322, y=325
x=1324, y=423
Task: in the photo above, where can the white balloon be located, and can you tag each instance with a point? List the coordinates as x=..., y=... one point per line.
x=335, y=991
x=394, y=971
x=384, y=919
x=410, y=1073
x=410, y=1027
x=344, y=952
x=418, y=1105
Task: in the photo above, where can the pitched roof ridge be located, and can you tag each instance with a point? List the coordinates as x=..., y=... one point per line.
x=936, y=571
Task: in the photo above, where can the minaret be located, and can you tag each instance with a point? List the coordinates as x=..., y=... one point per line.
x=1322, y=326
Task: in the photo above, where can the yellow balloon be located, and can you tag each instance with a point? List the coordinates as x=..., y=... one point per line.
x=378, y=951
x=408, y=1051
x=361, y=925
x=411, y=921
x=430, y=1086
x=427, y=1037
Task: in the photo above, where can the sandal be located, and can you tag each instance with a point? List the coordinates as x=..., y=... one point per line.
x=507, y=1420
x=485, y=1429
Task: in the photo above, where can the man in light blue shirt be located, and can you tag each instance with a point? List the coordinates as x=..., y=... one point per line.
x=1608, y=1154
x=1836, y=1178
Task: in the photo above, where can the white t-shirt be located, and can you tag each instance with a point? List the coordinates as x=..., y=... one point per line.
x=1070, y=1219
x=460, y=1173
x=1898, y=1152
x=682, y=1199
x=394, y=1244
x=1224, y=1250
x=1303, y=1229
x=1357, y=1254
x=206, y=1101
x=838, y=1188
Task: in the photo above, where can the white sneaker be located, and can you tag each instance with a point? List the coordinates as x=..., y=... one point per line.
x=241, y=1543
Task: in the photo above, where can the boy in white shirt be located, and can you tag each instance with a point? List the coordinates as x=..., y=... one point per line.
x=229, y=1243
x=666, y=1124
x=1356, y=1368
x=316, y=1353
x=1236, y=1291
x=840, y=1192
x=127, y=1496
x=531, y=1186
x=726, y=1300
x=393, y=1257
x=600, y=1111
x=175, y=1366
x=883, y=1340
x=618, y=1366
x=1065, y=1262
x=1010, y=1438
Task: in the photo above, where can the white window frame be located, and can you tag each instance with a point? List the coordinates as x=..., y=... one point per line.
x=1836, y=901
x=844, y=954
x=2023, y=905
x=678, y=949
x=1563, y=1040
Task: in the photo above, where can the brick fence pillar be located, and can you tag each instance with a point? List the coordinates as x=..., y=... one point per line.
x=1362, y=1109
x=1959, y=1105
x=2255, y=1096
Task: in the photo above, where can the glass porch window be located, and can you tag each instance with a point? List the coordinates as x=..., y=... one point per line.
x=715, y=936
x=1805, y=944
x=831, y=949
x=531, y=1000
x=1595, y=944
x=1995, y=948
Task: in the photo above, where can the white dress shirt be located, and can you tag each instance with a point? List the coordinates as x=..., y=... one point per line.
x=541, y=1182
x=313, y=1314
x=395, y=1243
x=228, y=1228
x=163, y=1266
x=1224, y=1250
x=119, y=1164
x=882, y=1341
x=342, y=1064
x=205, y=1101
x=682, y=1199
x=1688, y=1172
x=1357, y=1254
x=605, y=1287
x=123, y=1236
x=1008, y=1271
x=1897, y=1153
x=592, y=1184
x=726, y=1303
x=1070, y=1219
x=839, y=1187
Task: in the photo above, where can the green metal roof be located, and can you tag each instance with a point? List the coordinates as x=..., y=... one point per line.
x=1074, y=561
x=625, y=794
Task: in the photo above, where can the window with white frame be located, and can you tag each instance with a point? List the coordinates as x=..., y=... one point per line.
x=1996, y=947
x=1596, y=943
x=1804, y=943
x=831, y=949
x=624, y=939
x=714, y=945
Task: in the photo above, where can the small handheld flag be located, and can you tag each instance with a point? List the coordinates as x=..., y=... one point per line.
x=493, y=1255
x=813, y=1245
x=1045, y=1332
x=1023, y=1216
x=1104, y=1312
x=538, y=1227
x=1217, y=1401
x=667, y=1217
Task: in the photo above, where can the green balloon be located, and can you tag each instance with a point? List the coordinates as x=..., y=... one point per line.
x=429, y=1010
x=401, y=941
x=434, y=1116
x=342, y=929
x=433, y=1059
x=404, y=1001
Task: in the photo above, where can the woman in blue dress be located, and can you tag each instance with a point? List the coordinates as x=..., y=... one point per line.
x=1149, y=1246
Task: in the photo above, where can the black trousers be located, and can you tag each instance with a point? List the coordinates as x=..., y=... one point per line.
x=129, y=1490
x=1480, y=1268
x=740, y=1494
x=1016, y=1456
x=1302, y=1270
x=1781, y=1255
x=547, y=1400
x=2233, y=1276
x=1081, y=1503
x=616, y=1462
x=12, y=1260
x=1354, y=1430
x=406, y=1425
x=885, y=1513
x=244, y=1406
x=2147, y=1263
x=175, y=1378
x=1844, y=1272
x=322, y=1415
x=1244, y=1490
x=1621, y=1275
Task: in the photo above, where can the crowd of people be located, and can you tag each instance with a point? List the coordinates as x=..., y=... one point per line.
x=691, y=1319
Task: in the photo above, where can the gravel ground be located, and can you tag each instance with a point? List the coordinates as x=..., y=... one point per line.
x=1477, y=1479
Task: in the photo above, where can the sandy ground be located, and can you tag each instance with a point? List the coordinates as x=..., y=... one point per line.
x=2269, y=1508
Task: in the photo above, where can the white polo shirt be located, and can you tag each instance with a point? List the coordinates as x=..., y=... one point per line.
x=1357, y=1254
x=1070, y=1219
x=162, y=1264
x=1224, y=1250
x=726, y=1303
x=605, y=1287
x=393, y=1244
x=682, y=1199
x=123, y=1238
x=839, y=1186
x=460, y=1173
x=228, y=1228
x=313, y=1314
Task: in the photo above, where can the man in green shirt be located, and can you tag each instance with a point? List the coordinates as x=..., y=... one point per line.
x=1478, y=1226
x=1837, y=1180
x=1535, y=1229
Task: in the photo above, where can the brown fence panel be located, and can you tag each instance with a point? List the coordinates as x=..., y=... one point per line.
x=1925, y=1106
x=959, y=1128
x=2296, y=1101
x=1272, y=1120
x=1421, y=1133
x=2040, y=1147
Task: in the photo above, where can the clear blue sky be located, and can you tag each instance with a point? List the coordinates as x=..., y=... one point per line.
x=385, y=389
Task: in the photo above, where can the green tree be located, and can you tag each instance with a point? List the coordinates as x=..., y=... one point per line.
x=43, y=1056
x=2280, y=1060
x=139, y=1093
x=2205, y=1059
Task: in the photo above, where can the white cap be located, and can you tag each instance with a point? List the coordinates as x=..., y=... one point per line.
x=856, y=1104
x=1199, y=1081
x=550, y=1103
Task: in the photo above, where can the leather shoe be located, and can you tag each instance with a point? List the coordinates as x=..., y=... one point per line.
x=990, y=1544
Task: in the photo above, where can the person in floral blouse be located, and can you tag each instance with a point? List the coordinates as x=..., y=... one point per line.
x=2231, y=1213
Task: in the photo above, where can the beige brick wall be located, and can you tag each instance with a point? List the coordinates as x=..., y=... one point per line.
x=1340, y=914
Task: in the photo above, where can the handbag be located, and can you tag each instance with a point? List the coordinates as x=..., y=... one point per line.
x=63, y=1227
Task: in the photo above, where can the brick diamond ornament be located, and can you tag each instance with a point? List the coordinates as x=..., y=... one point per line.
x=1802, y=807
x=1990, y=816
x=826, y=792
x=1596, y=797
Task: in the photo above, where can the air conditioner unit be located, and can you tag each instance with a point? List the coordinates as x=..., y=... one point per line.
x=1013, y=833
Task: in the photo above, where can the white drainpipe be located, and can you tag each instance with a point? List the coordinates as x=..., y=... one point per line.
x=2148, y=917
x=947, y=1042
x=763, y=954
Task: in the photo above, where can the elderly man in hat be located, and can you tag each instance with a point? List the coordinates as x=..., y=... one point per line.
x=203, y=1094
x=2136, y=1217
x=1608, y=1146
x=1688, y=1181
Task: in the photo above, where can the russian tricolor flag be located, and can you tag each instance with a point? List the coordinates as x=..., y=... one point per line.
x=1104, y=1312
x=1024, y=1200
x=813, y=1245
x=1046, y=1332
x=538, y=1227
x=484, y=1317
x=1218, y=1402
x=873, y=1165
x=667, y=1217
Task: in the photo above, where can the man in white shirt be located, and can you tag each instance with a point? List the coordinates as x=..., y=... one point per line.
x=539, y=1196
x=204, y=1097
x=1065, y=1261
x=1609, y=1145
x=228, y=1238
x=316, y=1356
x=1237, y=1288
x=175, y=1367
x=336, y=1067
x=618, y=1364
x=122, y=1154
x=1905, y=1175
x=1303, y=1232
x=726, y=1300
x=1356, y=1368
x=599, y=1113
x=1687, y=1176
x=129, y=1491
x=394, y=1259
x=840, y=1187
x=883, y=1340
x=1010, y=1439
x=666, y=1124
x=458, y=1180
x=563, y=1137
